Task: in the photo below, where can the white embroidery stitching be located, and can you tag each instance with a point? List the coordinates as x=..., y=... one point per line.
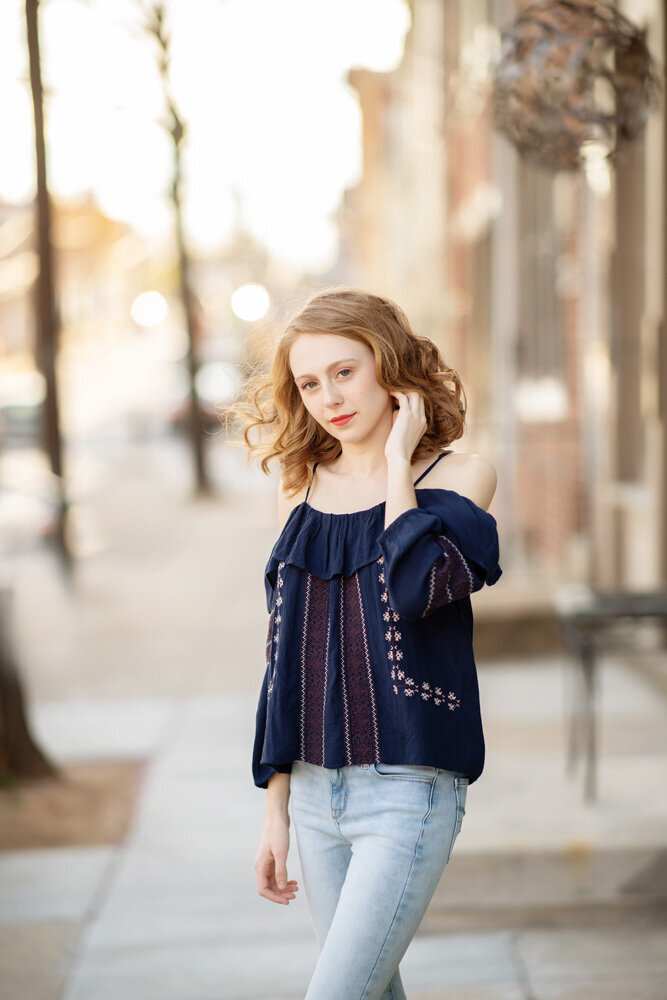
x=432, y=572
x=303, y=667
x=346, y=717
x=324, y=692
x=431, y=590
x=394, y=654
x=274, y=636
x=376, y=735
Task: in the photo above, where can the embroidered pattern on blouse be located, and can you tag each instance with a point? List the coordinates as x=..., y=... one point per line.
x=343, y=685
x=314, y=653
x=269, y=652
x=449, y=578
x=324, y=688
x=376, y=733
x=362, y=741
x=304, y=638
x=273, y=634
x=401, y=681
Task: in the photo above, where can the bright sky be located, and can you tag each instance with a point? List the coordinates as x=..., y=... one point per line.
x=260, y=83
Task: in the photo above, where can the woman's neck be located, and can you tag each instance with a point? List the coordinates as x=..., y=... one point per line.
x=364, y=461
x=360, y=465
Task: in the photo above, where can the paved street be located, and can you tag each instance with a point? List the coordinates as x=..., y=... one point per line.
x=159, y=655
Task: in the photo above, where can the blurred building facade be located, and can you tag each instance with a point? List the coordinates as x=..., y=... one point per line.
x=545, y=290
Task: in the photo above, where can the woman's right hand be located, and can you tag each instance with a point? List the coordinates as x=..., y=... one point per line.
x=409, y=425
x=271, y=861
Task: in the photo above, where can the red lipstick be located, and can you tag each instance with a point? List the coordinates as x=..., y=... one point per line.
x=339, y=421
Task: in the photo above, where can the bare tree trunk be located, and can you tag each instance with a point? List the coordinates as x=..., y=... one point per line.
x=155, y=26
x=46, y=311
x=20, y=757
x=195, y=422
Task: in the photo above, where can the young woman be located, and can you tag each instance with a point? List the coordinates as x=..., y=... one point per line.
x=368, y=724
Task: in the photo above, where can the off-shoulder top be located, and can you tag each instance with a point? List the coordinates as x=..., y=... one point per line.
x=369, y=650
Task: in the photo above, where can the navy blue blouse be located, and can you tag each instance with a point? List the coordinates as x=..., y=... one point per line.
x=369, y=654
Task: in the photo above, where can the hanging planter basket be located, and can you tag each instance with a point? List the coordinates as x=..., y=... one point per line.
x=574, y=78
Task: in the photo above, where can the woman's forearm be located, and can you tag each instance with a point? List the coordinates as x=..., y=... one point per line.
x=277, y=794
x=400, y=489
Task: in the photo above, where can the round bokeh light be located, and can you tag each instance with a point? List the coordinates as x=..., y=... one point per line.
x=250, y=302
x=149, y=309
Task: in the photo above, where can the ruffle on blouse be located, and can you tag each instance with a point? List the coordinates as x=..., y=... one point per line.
x=328, y=545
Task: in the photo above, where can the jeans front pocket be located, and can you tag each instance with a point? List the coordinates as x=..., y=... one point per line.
x=404, y=772
x=460, y=792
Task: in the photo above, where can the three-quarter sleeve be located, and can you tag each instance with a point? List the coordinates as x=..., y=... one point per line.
x=261, y=772
x=431, y=559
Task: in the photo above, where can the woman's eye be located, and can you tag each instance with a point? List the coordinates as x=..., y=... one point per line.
x=343, y=371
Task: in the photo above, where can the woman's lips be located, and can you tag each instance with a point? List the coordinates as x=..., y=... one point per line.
x=339, y=421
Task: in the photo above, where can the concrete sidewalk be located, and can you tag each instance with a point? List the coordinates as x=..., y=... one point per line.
x=160, y=657
x=172, y=913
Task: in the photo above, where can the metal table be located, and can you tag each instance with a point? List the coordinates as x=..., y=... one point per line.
x=588, y=616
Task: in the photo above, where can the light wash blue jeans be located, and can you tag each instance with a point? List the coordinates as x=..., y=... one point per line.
x=373, y=842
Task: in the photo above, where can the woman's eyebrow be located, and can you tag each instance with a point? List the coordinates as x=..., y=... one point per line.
x=334, y=364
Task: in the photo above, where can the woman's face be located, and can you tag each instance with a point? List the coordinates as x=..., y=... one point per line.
x=336, y=379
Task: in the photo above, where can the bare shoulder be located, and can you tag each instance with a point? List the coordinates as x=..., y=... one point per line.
x=470, y=474
x=287, y=504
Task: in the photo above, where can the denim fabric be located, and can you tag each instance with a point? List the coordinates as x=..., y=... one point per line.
x=373, y=841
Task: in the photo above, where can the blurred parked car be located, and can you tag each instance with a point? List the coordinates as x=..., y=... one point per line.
x=21, y=409
x=21, y=423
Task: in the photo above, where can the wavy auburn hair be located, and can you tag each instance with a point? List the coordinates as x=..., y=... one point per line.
x=271, y=408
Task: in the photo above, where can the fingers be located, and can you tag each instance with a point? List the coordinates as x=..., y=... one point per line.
x=412, y=401
x=421, y=407
x=267, y=887
x=281, y=872
x=279, y=895
x=268, y=884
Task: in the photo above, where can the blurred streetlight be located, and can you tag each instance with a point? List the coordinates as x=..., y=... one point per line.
x=250, y=302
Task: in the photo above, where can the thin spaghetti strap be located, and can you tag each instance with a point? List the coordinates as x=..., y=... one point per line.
x=311, y=482
x=426, y=471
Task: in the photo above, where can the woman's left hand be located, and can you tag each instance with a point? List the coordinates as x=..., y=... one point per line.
x=409, y=426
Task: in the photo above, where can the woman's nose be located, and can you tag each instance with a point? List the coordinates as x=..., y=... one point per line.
x=332, y=395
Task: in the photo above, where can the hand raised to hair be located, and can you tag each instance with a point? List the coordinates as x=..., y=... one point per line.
x=409, y=425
